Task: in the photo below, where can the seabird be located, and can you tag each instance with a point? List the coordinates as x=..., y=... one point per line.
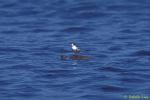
x=75, y=48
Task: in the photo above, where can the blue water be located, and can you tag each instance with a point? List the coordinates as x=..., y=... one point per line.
x=114, y=33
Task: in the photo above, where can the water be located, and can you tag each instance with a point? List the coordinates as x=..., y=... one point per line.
x=114, y=33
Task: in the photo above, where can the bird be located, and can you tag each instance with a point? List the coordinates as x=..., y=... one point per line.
x=75, y=48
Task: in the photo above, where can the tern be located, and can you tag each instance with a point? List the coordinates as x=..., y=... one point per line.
x=75, y=48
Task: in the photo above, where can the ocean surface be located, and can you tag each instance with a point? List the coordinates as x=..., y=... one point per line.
x=115, y=34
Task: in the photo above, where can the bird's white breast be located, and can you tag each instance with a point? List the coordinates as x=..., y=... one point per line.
x=74, y=48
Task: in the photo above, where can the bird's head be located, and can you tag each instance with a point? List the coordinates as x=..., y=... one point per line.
x=72, y=44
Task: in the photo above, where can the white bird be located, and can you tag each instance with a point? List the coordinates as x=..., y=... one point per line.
x=75, y=48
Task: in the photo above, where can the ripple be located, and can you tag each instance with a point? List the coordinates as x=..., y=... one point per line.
x=40, y=53
x=110, y=88
x=145, y=30
x=38, y=30
x=132, y=80
x=90, y=97
x=24, y=91
x=77, y=29
x=12, y=49
x=56, y=73
x=50, y=14
x=128, y=37
x=134, y=74
x=9, y=5
x=115, y=48
x=112, y=69
x=101, y=55
x=83, y=8
x=10, y=32
x=22, y=67
x=28, y=12
x=127, y=31
x=92, y=14
x=5, y=83
x=141, y=53
x=122, y=7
